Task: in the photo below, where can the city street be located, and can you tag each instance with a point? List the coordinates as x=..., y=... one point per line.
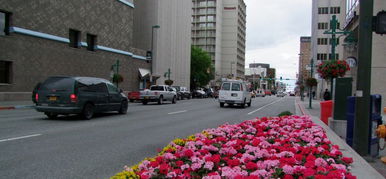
x=32, y=146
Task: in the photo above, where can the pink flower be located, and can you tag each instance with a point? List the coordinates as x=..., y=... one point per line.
x=319, y=162
x=209, y=165
x=288, y=169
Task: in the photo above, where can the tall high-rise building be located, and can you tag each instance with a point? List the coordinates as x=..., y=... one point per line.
x=218, y=27
x=304, y=58
x=322, y=12
x=164, y=28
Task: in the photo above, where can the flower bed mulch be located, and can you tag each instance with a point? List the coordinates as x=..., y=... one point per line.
x=278, y=147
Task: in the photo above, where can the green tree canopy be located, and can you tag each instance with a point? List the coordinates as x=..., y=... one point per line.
x=201, y=68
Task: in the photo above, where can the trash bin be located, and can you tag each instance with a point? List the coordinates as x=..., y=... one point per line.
x=326, y=110
x=350, y=117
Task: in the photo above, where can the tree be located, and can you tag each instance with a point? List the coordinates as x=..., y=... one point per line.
x=202, y=70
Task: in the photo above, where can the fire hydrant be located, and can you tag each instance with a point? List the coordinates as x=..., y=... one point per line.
x=381, y=133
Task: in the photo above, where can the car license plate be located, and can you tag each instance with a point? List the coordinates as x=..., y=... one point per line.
x=146, y=97
x=234, y=95
x=52, y=98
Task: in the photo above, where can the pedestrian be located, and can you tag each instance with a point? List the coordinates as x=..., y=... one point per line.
x=327, y=95
x=313, y=94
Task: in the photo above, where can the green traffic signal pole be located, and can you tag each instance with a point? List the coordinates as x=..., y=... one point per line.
x=310, y=87
x=362, y=107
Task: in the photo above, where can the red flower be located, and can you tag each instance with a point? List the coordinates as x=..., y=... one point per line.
x=233, y=163
x=347, y=160
x=288, y=177
x=188, y=153
x=163, y=169
x=308, y=172
x=179, y=163
x=251, y=166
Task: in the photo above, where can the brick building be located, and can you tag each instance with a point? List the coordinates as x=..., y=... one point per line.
x=71, y=38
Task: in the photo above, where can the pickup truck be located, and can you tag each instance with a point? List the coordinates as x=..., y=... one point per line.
x=158, y=93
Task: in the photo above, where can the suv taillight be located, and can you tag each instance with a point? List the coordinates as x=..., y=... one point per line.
x=73, y=98
x=36, y=97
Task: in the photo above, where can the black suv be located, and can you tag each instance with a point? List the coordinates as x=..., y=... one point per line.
x=79, y=95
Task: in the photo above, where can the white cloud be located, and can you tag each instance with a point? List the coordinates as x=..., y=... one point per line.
x=274, y=28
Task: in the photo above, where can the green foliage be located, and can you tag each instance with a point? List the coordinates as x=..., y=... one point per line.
x=117, y=78
x=168, y=82
x=285, y=113
x=311, y=82
x=202, y=70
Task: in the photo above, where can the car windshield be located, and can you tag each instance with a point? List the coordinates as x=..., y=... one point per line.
x=58, y=84
x=157, y=88
x=226, y=86
x=177, y=88
x=235, y=86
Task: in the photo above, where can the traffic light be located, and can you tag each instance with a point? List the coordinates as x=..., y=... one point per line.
x=380, y=23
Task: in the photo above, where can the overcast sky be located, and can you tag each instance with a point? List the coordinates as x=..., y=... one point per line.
x=274, y=28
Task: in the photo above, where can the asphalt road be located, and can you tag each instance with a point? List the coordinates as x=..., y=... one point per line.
x=32, y=146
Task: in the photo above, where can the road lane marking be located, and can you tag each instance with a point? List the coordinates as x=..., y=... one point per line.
x=17, y=138
x=264, y=106
x=177, y=112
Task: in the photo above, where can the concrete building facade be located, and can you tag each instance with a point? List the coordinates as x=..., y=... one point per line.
x=70, y=38
x=218, y=27
x=166, y=24
x=304, y=58
x=322, y=12
x=378, y=67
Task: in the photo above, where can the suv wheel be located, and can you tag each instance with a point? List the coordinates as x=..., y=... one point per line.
x=250, y=102
x=124, y=106
x=51, y=115
x=174, y=100
x=222, y=105
x=88, y=111
x=144, y=102
x=160, y=100
x=243, y=104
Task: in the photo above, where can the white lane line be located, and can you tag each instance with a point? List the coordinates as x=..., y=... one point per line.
x=178, y=112
x=264, y=106
x=17, y=138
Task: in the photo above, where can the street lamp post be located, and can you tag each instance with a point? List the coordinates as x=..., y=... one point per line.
x=310, y=87
x=151, y=50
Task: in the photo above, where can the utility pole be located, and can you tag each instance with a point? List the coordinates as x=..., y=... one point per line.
x=362, y=112
x=310, y=87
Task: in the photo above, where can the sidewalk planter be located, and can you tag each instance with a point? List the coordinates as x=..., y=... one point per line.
x=278, y=147
x=326, y=110
x=332, y=69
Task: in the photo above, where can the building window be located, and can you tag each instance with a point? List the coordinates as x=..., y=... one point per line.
x=74, y=38
x=322, y=25
x=334, y=10
x=91, y=42
x=323, y=10
x=5, y=72
x=321, y=56
x=336, y=40
x=336, y=56
x=4, y=23
x=322, y=41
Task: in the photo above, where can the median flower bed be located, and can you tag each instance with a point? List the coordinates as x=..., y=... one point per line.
x=278, y=147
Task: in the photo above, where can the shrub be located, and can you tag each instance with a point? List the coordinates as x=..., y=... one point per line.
x=285, y=113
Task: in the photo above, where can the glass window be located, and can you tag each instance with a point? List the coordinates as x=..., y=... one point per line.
x=210, y=18
x=111, y=88
x=5, y=71
x=58, y=84
x=157, y=88
x=99, y=87
x=226, y=86
x=236, y=87
x=2, y=23
x=74, y=38
x=91, y=42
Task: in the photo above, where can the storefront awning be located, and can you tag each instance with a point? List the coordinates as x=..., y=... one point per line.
x=144, y=72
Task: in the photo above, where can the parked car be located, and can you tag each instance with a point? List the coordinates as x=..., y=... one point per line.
x=260, y=93
x=209, y=92
x=79, y=95
x=292, y=93
x=199, y=93
x=280, y=94
x=268, y=92
x=234, y=92
x=158, y=93
x=185, y=92
x=133, y=96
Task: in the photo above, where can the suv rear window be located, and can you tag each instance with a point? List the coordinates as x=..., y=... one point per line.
x=157, y=88
x=58, y=84
x=226, y=86
x=236, y=87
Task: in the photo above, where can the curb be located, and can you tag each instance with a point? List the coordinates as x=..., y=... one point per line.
x=17, y=107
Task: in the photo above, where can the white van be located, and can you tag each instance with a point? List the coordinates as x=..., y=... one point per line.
x=234, y=92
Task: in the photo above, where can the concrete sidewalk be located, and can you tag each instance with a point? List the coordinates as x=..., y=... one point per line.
x=8, y=105
x=360, y=168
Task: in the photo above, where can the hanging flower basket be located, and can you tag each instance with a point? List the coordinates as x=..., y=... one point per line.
x=332, y=69
x=168, y=82
x=117, y=78
x=311, y=82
